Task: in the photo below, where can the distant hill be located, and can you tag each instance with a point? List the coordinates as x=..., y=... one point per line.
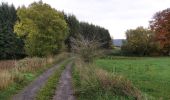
x=118, y=42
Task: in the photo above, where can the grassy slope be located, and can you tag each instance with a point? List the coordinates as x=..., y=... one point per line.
x=151, y=75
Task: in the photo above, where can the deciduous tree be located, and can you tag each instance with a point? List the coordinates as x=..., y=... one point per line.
x=43, y=28
x=139, y=41
x=160, y=24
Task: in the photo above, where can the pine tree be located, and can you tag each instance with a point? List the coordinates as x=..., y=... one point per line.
x=8, y=39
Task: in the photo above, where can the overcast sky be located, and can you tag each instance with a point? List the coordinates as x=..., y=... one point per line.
x=115, y=15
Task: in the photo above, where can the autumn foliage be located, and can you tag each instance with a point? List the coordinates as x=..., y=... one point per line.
x=161, y=26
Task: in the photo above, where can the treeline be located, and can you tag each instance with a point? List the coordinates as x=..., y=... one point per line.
x=39, y=30
x=11, y=46
x=140, y=42
x=88, y=31
x=152, y=41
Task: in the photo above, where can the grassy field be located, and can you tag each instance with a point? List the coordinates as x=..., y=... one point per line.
x=150, y=75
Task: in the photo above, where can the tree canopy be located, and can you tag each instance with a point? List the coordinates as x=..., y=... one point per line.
x=161, y=26
x=74, y=28
x=139, y=41
x=88, y=31
x=43, y=28
x=10, y=44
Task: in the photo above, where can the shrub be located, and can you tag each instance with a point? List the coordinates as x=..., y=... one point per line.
x=87, y=49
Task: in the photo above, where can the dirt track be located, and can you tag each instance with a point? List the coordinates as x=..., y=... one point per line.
x=31, y=90
x=64, y=90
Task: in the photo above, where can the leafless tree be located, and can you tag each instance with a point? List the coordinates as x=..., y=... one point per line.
x=87, y=49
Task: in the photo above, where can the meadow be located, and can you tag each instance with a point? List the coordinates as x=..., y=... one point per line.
x=150, y=75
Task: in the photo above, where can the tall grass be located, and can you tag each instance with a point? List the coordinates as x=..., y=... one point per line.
x=13, y=71
x=92, y=83
x=6, y=64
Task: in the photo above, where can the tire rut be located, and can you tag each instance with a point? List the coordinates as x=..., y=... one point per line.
x=29, y=92
x=64, y=90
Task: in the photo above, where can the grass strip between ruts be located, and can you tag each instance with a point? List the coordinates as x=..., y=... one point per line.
x=48, y=90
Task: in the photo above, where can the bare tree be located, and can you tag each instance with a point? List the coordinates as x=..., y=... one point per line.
x=87, y=49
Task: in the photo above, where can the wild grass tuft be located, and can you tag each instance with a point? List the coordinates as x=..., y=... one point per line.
x=92, y=83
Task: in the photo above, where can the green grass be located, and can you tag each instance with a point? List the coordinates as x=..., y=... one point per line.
x=48, y=90
x=150, y=75
x=87, y=84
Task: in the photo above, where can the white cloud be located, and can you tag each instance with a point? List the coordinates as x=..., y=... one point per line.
x=115, y=15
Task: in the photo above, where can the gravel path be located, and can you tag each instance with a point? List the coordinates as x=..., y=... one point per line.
x=31, y=90
x=64, y=90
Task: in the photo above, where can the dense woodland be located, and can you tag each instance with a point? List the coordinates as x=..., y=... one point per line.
x=27, y=31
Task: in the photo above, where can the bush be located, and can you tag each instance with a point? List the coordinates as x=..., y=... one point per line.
x=86, y=49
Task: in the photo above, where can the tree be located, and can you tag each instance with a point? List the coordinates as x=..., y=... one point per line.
x=90, y=31
x=43, y=28
x=10, y=44
x=74, y=27
x=86, y=49
x=139, y=41
x=161, y=26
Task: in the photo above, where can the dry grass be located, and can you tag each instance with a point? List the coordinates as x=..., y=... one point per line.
x=7, y=64
x=11, y=70
x=94, y=79
x=6, y=78
x=117, y=84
